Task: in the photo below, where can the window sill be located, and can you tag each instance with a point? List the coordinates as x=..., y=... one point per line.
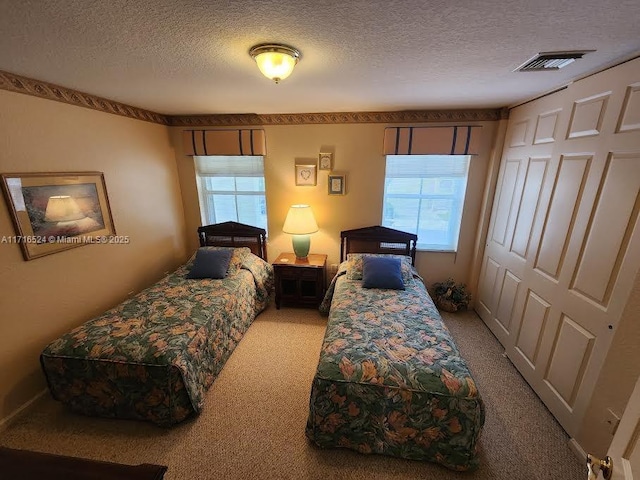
x=435, y=251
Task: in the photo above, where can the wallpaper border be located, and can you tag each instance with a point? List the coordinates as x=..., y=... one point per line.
x=50, y=91
x=406, y=116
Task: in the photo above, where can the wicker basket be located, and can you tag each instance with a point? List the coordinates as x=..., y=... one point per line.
x=450, y=296
x=446, y=305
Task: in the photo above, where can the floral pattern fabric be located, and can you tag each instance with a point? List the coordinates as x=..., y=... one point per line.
x=390, y=379
x=155, y=355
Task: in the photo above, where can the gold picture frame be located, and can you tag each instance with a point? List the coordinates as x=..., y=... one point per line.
x=306, y=175
x=325, y=161
x=52, y=212
x=337, y=184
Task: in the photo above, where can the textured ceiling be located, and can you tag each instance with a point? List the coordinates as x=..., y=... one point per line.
x=191, y=56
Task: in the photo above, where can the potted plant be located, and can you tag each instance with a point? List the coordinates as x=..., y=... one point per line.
x=451, y=296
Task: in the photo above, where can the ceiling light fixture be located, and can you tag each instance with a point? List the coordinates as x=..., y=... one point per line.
x=274, y=60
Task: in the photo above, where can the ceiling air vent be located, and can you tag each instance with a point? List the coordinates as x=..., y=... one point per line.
x=547, y=61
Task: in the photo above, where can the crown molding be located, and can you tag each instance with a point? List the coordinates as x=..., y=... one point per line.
x=50, y=91
x=406, y=116
x=36, y=88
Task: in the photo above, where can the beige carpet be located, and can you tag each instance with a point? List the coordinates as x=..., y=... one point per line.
x=255, y=413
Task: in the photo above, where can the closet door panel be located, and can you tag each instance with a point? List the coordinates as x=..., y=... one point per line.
x=564, y=238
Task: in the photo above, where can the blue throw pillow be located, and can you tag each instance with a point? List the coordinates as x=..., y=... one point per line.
x=210, y=264
x=381, y=272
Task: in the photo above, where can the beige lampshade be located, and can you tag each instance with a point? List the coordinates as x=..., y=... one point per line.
x=62, y=208
x=300, y=221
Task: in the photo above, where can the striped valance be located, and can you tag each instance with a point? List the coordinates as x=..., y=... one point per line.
x=250, y=141
x=458, y=140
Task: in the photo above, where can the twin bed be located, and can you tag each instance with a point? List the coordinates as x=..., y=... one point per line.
x=390, y=379
x=155, y=355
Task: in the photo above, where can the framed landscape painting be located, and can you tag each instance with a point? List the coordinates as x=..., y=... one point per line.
x=52, y=212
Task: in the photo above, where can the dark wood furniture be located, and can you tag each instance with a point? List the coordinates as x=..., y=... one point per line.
x=377, y=239
x=234, y=234
x=299, y=282
x=28, y=465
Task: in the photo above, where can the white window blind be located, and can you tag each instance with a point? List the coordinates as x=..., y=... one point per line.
x=424, y=194
x=231, y=188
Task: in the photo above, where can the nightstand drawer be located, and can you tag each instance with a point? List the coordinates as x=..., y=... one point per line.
x=299, y=273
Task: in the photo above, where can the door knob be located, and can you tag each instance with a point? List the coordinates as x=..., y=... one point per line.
x=595, y=465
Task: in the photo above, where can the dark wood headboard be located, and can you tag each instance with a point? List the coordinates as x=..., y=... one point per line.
x=377, y=239
x=234, y=234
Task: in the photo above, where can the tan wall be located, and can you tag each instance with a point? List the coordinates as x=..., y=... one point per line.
x=358, y=153
x=42, y=298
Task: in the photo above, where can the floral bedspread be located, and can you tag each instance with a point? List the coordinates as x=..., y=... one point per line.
x=155, y=355
x=390, y=379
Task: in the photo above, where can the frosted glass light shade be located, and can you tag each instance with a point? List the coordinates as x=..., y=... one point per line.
x=275, y=61
x=62, y=208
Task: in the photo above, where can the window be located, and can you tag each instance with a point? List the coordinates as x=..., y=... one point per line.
x=231, y=189
x=424, y=194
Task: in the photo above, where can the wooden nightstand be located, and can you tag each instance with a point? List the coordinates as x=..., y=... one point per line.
x=300, y=283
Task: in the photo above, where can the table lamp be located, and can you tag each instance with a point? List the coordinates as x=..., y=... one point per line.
x=300, y=223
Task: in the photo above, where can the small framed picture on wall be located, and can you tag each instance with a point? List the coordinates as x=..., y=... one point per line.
x=325, y=161
x=306, y=175
x=337, y=184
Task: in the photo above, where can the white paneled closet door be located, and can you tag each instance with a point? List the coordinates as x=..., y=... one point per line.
x=563, y=245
